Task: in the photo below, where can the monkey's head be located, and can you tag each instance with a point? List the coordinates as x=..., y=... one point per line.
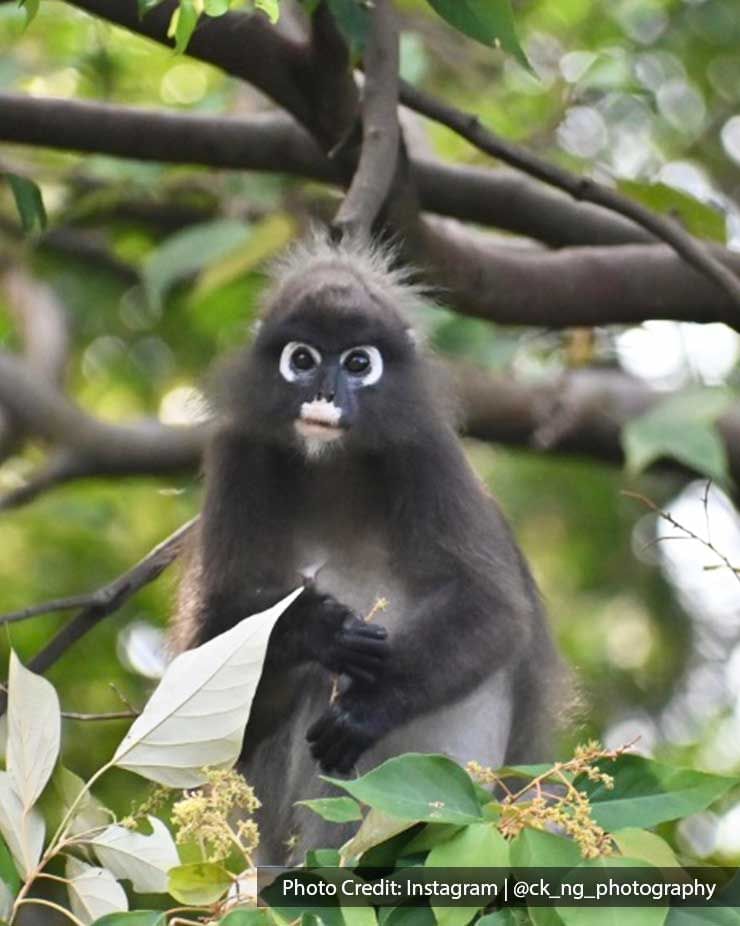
x=335, y=366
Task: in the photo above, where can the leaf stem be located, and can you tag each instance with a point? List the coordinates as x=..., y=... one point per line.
x=46, y=903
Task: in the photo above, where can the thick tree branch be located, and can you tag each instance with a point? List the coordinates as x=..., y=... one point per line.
x=485, y=277
x=43, y=327
x=274, y=142
x=243, y=45
x=83, y=445
x=580, y=413
x=693, y=251
x=376, y=170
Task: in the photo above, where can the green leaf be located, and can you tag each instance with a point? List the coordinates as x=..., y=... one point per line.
x=646, y=793
x=505, y=917
x=704, y=916
x=653, y=915
x=681, y=427
x=188, y=251
x=199, y=884
x=699, y=218
x=429, y=788
x=270, y=7
x=31, y=8
x=641, y=844
x=408, y=916
x=353, y=18
x=323, y=858
x=539, y=849
x=264, y=239
x=134, y=918
x=249, y=917
x=144, y=6
x=215, y=7
x=8, y=871
x=182, y=25
x=28, y=202
x=476, y=846
x=432, y=835
x=334, y=809
x=490, y=22
x=376, y=829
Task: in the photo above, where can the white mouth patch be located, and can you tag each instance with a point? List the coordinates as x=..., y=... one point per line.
x=321, y=412
x=318, y=425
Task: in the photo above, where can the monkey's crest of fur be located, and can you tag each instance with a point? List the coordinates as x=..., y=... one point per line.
x=373, y=264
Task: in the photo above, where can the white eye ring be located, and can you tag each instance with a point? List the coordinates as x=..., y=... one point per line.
x=376, y=363
x=286, y=367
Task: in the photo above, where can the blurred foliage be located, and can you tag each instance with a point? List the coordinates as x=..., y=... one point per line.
x=643, y=90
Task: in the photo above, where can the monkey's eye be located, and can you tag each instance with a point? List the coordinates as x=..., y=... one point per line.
x=364, y=364
x=297, y=359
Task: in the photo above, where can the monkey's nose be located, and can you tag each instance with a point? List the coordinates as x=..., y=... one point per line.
x=327, y=395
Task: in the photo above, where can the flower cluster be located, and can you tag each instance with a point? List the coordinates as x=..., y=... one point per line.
x=550, y=801
x=203, y=816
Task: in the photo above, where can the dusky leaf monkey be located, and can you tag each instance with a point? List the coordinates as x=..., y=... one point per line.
x=335, y=456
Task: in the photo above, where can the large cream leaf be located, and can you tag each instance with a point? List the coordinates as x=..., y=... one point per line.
x=34, y=729
x=23, y=830
x=143, y=860
x=93, y=892
x=197, y=714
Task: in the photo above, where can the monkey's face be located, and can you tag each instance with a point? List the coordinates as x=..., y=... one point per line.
x=337, y=371
x=329, y=383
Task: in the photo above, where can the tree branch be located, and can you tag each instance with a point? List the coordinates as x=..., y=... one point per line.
x=83, y=445
x=243, y=45
x=376, y=170
x=273, y=142
x=691, y=249
x=485, y=277
x=110, y=598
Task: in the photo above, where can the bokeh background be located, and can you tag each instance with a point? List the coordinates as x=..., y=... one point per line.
x=159, y=269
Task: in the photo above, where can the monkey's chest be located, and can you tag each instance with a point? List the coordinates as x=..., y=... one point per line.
x=359, y=575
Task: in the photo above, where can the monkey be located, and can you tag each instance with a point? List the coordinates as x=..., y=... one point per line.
x=335, y=458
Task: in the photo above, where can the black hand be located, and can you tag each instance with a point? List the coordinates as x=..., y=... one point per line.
x=349, y=726
x=339, y=640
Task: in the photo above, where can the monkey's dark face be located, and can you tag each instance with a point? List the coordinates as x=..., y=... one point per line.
x=337, y=370
x=329, y=383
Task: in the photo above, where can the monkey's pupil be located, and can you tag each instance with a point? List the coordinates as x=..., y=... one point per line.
x=302, y=359
x=357, y=363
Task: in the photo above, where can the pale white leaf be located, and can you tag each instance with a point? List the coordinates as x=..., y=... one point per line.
x=34, y=729
x=93, y=892
x=143, y=860
x=23, y=831
x=197, y=714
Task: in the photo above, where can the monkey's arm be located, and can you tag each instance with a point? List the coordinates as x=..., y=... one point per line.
x=244, y=543
x=452, y=641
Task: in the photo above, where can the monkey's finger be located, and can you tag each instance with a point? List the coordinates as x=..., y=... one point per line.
x=332, y=735
x=361, y=641
x=332, y=757
x=348, y=761
x=355, y=626
x=317, y=729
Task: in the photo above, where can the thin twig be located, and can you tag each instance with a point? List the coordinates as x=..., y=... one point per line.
x=688, y=533
x=109, y=599
x=111, y=715
x=468, y=126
